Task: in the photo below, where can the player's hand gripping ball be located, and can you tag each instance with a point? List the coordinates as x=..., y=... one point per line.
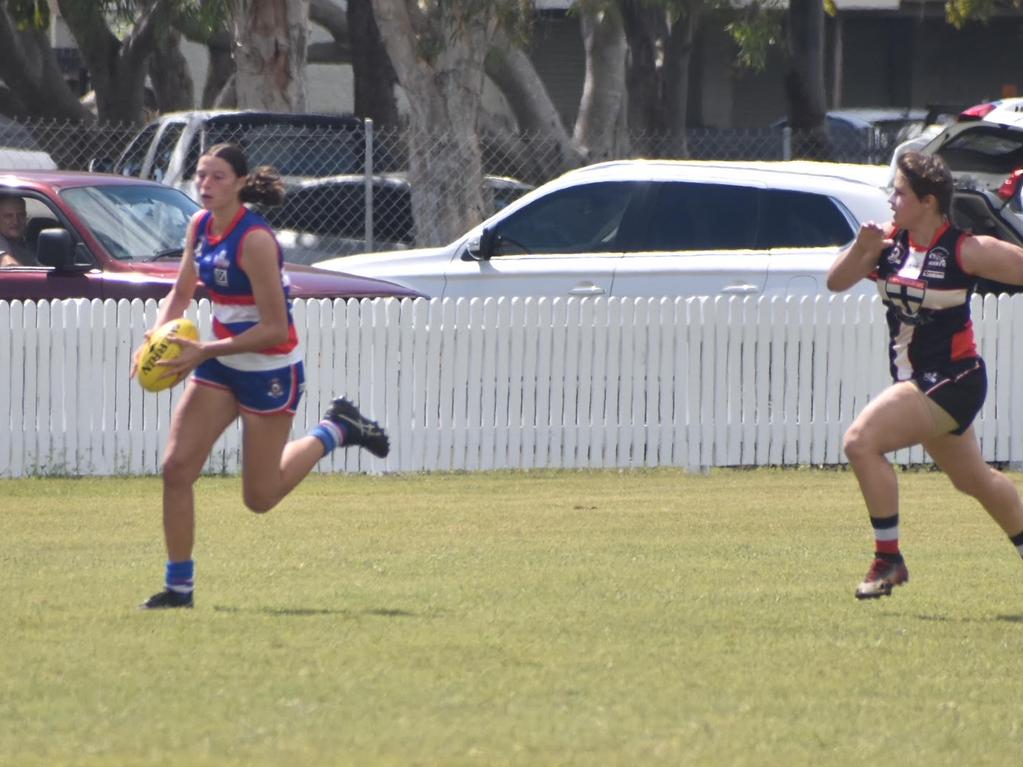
x=159, y=347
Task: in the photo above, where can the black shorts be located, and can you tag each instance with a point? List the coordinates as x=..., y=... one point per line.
x=959, y=392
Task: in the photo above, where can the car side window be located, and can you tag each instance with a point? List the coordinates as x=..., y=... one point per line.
x=802, y=220
x=24, y=239
x=698, y=216
x=165, y=150
x=581, y=219
x=134, y=156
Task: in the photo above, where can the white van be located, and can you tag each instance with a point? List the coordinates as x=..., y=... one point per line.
x=25, y=159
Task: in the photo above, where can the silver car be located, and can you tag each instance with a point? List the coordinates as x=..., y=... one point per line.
x=653, y=228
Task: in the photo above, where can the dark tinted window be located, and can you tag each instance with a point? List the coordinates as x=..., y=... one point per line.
x=583, y=219
x=164, y=150
x=131, y=161
x=684, y=216
x=801, y=220
x=295, y=150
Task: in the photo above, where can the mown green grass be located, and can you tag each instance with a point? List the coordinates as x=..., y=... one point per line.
x=587, y=618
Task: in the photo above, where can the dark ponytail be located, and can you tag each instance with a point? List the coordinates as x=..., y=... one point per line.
x=264, y=185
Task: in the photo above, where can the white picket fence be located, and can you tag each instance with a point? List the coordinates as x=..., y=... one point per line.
x=504, y=383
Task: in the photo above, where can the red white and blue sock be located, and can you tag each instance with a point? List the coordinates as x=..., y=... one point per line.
x=331, y=434
x=886, y=537
x=181, y=576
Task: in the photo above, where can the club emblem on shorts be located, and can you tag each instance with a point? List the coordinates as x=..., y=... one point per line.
x=275, y=388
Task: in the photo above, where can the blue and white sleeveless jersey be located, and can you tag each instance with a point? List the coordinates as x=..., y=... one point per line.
x=234, y=306
x=927, y=293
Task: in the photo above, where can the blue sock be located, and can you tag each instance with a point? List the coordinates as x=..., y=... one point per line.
x=331, y=434
x=181, y=576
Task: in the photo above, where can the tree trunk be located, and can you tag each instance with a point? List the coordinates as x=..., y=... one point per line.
x=221, y=67
x=270, y=55
x=660, y=50
x=804, y=79
x=645, y=29
x=169, y=73
x=599, y=127
x=677, y=56
x=219, y=44
x=535, y=114
x=29, y=68
x=374, y=75
x=437, y=52
x=117, y=67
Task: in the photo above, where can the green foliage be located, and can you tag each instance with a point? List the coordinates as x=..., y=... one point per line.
x=959, y=12
x=757, y=29
x=514, y=618
x=29, y=14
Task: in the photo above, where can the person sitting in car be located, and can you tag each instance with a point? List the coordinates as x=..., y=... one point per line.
x=14, y=249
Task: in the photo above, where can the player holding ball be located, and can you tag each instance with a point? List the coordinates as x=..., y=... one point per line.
x=252, y=368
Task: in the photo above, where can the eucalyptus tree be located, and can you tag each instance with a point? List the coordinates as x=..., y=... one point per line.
x=437, y=49
x=271, y=37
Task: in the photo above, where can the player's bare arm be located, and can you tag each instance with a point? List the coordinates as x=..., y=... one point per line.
x=992, y=259
x=859, y=259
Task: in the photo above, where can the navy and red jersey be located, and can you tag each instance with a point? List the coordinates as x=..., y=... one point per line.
x=927, y=292
x=218, y=258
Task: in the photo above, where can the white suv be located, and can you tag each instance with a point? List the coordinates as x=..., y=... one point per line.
x=653, y=228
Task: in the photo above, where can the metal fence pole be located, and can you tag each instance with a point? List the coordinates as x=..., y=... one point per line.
x=368, y=185
x=786, y=143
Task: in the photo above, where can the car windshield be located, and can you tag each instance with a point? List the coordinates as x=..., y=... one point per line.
x=134, y=222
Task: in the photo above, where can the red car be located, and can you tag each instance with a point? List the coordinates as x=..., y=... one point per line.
x=105, y=236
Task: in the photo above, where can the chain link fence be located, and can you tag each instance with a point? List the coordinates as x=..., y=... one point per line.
x=348, y=184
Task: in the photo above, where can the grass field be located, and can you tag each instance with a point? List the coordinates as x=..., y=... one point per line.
x=588, y=618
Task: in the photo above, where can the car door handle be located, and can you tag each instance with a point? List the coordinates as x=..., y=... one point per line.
x=587, y=290
x=742, y=290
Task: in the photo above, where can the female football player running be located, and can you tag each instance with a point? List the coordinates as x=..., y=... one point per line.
x=251, y=368
x=925, y=270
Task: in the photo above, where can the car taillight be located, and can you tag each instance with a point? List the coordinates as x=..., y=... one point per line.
x=1010, y=186
x=977, y=112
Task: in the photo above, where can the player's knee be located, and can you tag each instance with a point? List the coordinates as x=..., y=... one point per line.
x=178, y=470
x=855, y=444
x=259, y=502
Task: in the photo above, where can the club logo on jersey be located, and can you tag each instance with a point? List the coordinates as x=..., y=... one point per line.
x=938, y=258
x=221, y=263
x=906, y=297
x=895, y=254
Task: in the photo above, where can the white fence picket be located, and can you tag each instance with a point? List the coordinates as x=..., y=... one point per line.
x=8, y=405
x=504, y=383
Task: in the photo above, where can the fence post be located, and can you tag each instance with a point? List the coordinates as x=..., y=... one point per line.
x=368, y=184
x=786, y=143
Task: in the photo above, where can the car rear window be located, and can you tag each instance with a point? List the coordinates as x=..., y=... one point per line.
x=697, y=216
x=801, y=220
x=993, y=149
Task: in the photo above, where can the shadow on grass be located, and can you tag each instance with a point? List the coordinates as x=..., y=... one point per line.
x=949, y=619
x=299, y=612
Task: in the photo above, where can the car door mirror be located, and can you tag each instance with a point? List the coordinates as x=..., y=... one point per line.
x=481, y=248
x=56, y=249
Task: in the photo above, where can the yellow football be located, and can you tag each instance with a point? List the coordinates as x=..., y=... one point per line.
x=159, y=347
